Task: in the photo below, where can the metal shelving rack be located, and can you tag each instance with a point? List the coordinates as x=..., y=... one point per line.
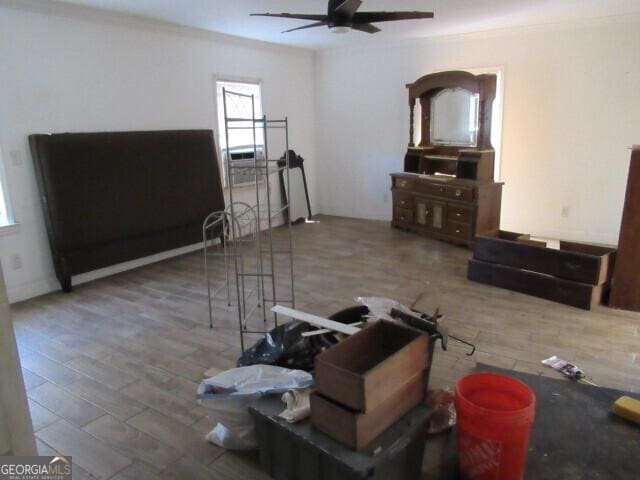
x=243, y=226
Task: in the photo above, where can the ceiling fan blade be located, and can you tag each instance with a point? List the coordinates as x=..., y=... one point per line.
x=372, y=17
x=348, y=8
x=311, y=25
x=365, y=27
x=291, y=15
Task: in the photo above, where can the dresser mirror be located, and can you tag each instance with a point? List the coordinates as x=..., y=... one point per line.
x=454, y=118
x=454, y=111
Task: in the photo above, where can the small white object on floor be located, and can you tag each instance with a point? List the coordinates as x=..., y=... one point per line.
x=380, y=308
x=298, y=406
x=570, y=370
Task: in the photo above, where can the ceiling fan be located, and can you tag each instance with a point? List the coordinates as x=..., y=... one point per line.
x=343, y=15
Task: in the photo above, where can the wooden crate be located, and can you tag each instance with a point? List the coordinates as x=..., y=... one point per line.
x=579, y=262
x=357, y=430
x=362, y=371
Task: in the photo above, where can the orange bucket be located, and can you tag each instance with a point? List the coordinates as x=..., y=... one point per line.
x=494, y=416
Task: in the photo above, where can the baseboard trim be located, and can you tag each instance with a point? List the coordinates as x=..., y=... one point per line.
x=29, y=290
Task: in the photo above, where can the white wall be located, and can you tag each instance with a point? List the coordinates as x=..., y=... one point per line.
x=73, y=69
x=571, y=110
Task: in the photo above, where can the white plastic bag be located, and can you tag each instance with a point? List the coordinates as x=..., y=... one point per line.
x=380, y=307
x=229, y=394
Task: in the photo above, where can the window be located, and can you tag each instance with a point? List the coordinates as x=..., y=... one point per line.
x=240, y=138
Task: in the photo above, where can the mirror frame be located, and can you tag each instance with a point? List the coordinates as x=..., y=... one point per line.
x=427, y=86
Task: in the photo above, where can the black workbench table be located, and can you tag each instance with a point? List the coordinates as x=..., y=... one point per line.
x=299, y=451
x=574, y=436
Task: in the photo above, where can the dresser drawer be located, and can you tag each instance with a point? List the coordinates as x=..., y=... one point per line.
x=402, y=215
x=460, y=213
x=403, y=200
x=422, y=187
x=404, y=183
x=460, y=230
x=430, y=188
x=459, y=193
x=449, y=191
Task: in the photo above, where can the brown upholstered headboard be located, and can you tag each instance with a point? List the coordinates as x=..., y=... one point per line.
x=114, y=196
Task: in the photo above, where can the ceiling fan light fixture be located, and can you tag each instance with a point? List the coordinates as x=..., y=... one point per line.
x=339, y=29
x=343, y=16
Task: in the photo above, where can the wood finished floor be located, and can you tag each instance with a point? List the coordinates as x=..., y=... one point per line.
x=111, y=369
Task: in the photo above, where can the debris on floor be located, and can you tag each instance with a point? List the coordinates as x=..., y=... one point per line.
x=387, y=309
x=346, y=356
x=568, y=369
x=229, y=394
x=380, y=307
x=628, y=408
x=285, y=346
x=298, y=406
x=295, y=344
x=443, y=416
x=315, y=320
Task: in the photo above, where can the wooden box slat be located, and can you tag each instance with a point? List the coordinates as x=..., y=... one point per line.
x=357, y=430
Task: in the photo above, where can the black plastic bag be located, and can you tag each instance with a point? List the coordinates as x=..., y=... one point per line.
x=284, y=346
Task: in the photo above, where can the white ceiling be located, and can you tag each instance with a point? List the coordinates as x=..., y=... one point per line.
x=451, y=16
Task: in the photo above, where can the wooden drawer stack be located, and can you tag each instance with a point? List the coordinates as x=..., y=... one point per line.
x=368, y=381
x=447, y=209
x=577, y=274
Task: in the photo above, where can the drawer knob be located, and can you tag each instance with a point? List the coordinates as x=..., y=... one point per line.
x=401, y=218
x=426, y=212
x=441, y=189
x=458, y=214
x=458, y=193
x=402, y=202
x=403, y=184
x=457, y=230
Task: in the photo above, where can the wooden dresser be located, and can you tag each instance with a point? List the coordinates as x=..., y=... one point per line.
x=454, y=210
x=446, y=190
